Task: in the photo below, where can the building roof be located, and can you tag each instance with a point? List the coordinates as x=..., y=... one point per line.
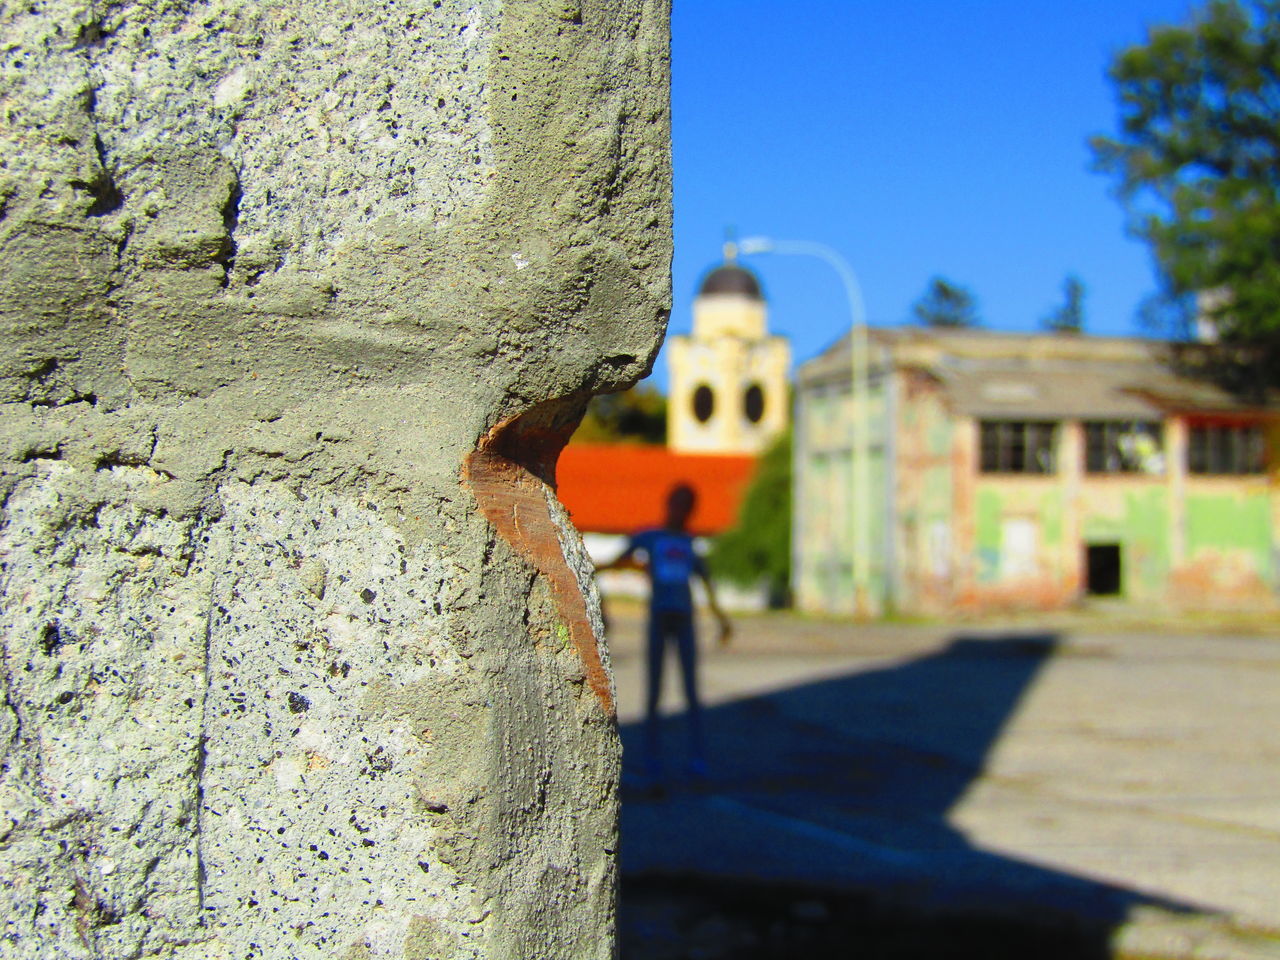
x=622, y=488
x=731, y=278
x=1051, y=376
x=1050, y=394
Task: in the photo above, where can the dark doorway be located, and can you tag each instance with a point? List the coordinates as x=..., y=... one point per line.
x=1102, y=569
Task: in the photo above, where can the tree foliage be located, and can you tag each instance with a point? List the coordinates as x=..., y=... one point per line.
x=758, y=548
x=946, y=304
x=1197, y=158
x=638, y=415
x=1069, y=316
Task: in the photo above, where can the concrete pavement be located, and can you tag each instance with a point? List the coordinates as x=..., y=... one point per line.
x=1127, y=781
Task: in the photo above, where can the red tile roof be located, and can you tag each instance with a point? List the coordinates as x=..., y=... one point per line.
x=622, y=488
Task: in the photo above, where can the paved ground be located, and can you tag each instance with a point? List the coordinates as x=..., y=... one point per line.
x=1124, y=781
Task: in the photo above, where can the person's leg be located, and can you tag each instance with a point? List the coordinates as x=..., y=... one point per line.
x=656, y=648
x=686, y=640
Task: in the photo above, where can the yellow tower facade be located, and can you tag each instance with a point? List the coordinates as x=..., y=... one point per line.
x=728, y=378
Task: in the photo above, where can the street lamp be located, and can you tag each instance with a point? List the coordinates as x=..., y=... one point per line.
x=860, y=446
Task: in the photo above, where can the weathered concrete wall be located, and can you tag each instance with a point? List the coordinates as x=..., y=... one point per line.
x=930, y=501
x=297, y=658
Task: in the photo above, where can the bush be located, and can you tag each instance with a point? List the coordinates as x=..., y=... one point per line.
x=757, y=550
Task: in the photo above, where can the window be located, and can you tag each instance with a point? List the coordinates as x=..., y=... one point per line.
x=1118, y=446
x=1226, y=449
x=704, y=403
x=1018, y=446
x=753, y=403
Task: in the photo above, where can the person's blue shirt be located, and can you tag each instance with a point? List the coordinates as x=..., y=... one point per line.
x=672, y=563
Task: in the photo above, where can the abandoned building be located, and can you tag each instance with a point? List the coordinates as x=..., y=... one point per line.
x=1032, y=471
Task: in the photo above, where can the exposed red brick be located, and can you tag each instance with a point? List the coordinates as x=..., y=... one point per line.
x=1210, y=582
x=1034, y=593
x=512, y=473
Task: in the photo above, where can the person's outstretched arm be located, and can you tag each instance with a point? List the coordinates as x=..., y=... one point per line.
x=625, y=559
x=726, y=628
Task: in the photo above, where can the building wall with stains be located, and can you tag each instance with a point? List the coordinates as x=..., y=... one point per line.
x=824, y=511
x=299, y=653
x=1182, y=540
x=1231, y=544
x=927, y=496
x=821, y=530
x=950, y=536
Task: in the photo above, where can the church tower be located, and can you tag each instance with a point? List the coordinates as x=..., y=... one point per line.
x=728, y=379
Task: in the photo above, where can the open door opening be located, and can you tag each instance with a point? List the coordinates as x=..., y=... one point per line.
x=1102, y=569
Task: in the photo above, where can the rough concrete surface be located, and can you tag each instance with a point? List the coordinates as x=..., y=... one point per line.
x=299, y=301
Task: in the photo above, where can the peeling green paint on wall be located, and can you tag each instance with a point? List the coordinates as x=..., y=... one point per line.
x=987, y=535
x=1051, y=511
x=1141, y=527
x=993, y=504
x=878, y=518
x=1145, y=516
x=1231, y=522
x=1149, y=531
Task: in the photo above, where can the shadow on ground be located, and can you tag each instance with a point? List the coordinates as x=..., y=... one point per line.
x=821, y=829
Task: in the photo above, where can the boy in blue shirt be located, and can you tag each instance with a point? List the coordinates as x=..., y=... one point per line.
x=672, y=563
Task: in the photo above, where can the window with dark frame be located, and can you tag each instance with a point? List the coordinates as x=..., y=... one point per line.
x=1123, y=446
x=1018, y=446
x=1226, y=449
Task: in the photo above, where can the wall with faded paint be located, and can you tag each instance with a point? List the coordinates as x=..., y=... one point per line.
x=299, y=653
x=1135, y=513
x=1231, y=541
x=825, y=500
x=971, y=541
x=1185, y=541
x=926, y=494
x=822, y=570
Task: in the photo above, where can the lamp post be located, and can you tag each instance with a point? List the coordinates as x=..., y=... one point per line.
x=860, y=445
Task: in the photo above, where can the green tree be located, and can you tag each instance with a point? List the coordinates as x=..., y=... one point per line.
x=1069, y=316
x=946, y=304
x=758, y=548
x=638, y=415
x=1197, y=158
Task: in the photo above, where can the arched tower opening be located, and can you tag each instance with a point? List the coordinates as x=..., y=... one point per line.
x=728, y=377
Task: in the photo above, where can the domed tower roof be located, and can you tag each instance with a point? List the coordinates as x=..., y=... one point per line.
x=731, y=278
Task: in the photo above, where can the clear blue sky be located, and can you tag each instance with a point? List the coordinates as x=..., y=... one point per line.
x=917, y=137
